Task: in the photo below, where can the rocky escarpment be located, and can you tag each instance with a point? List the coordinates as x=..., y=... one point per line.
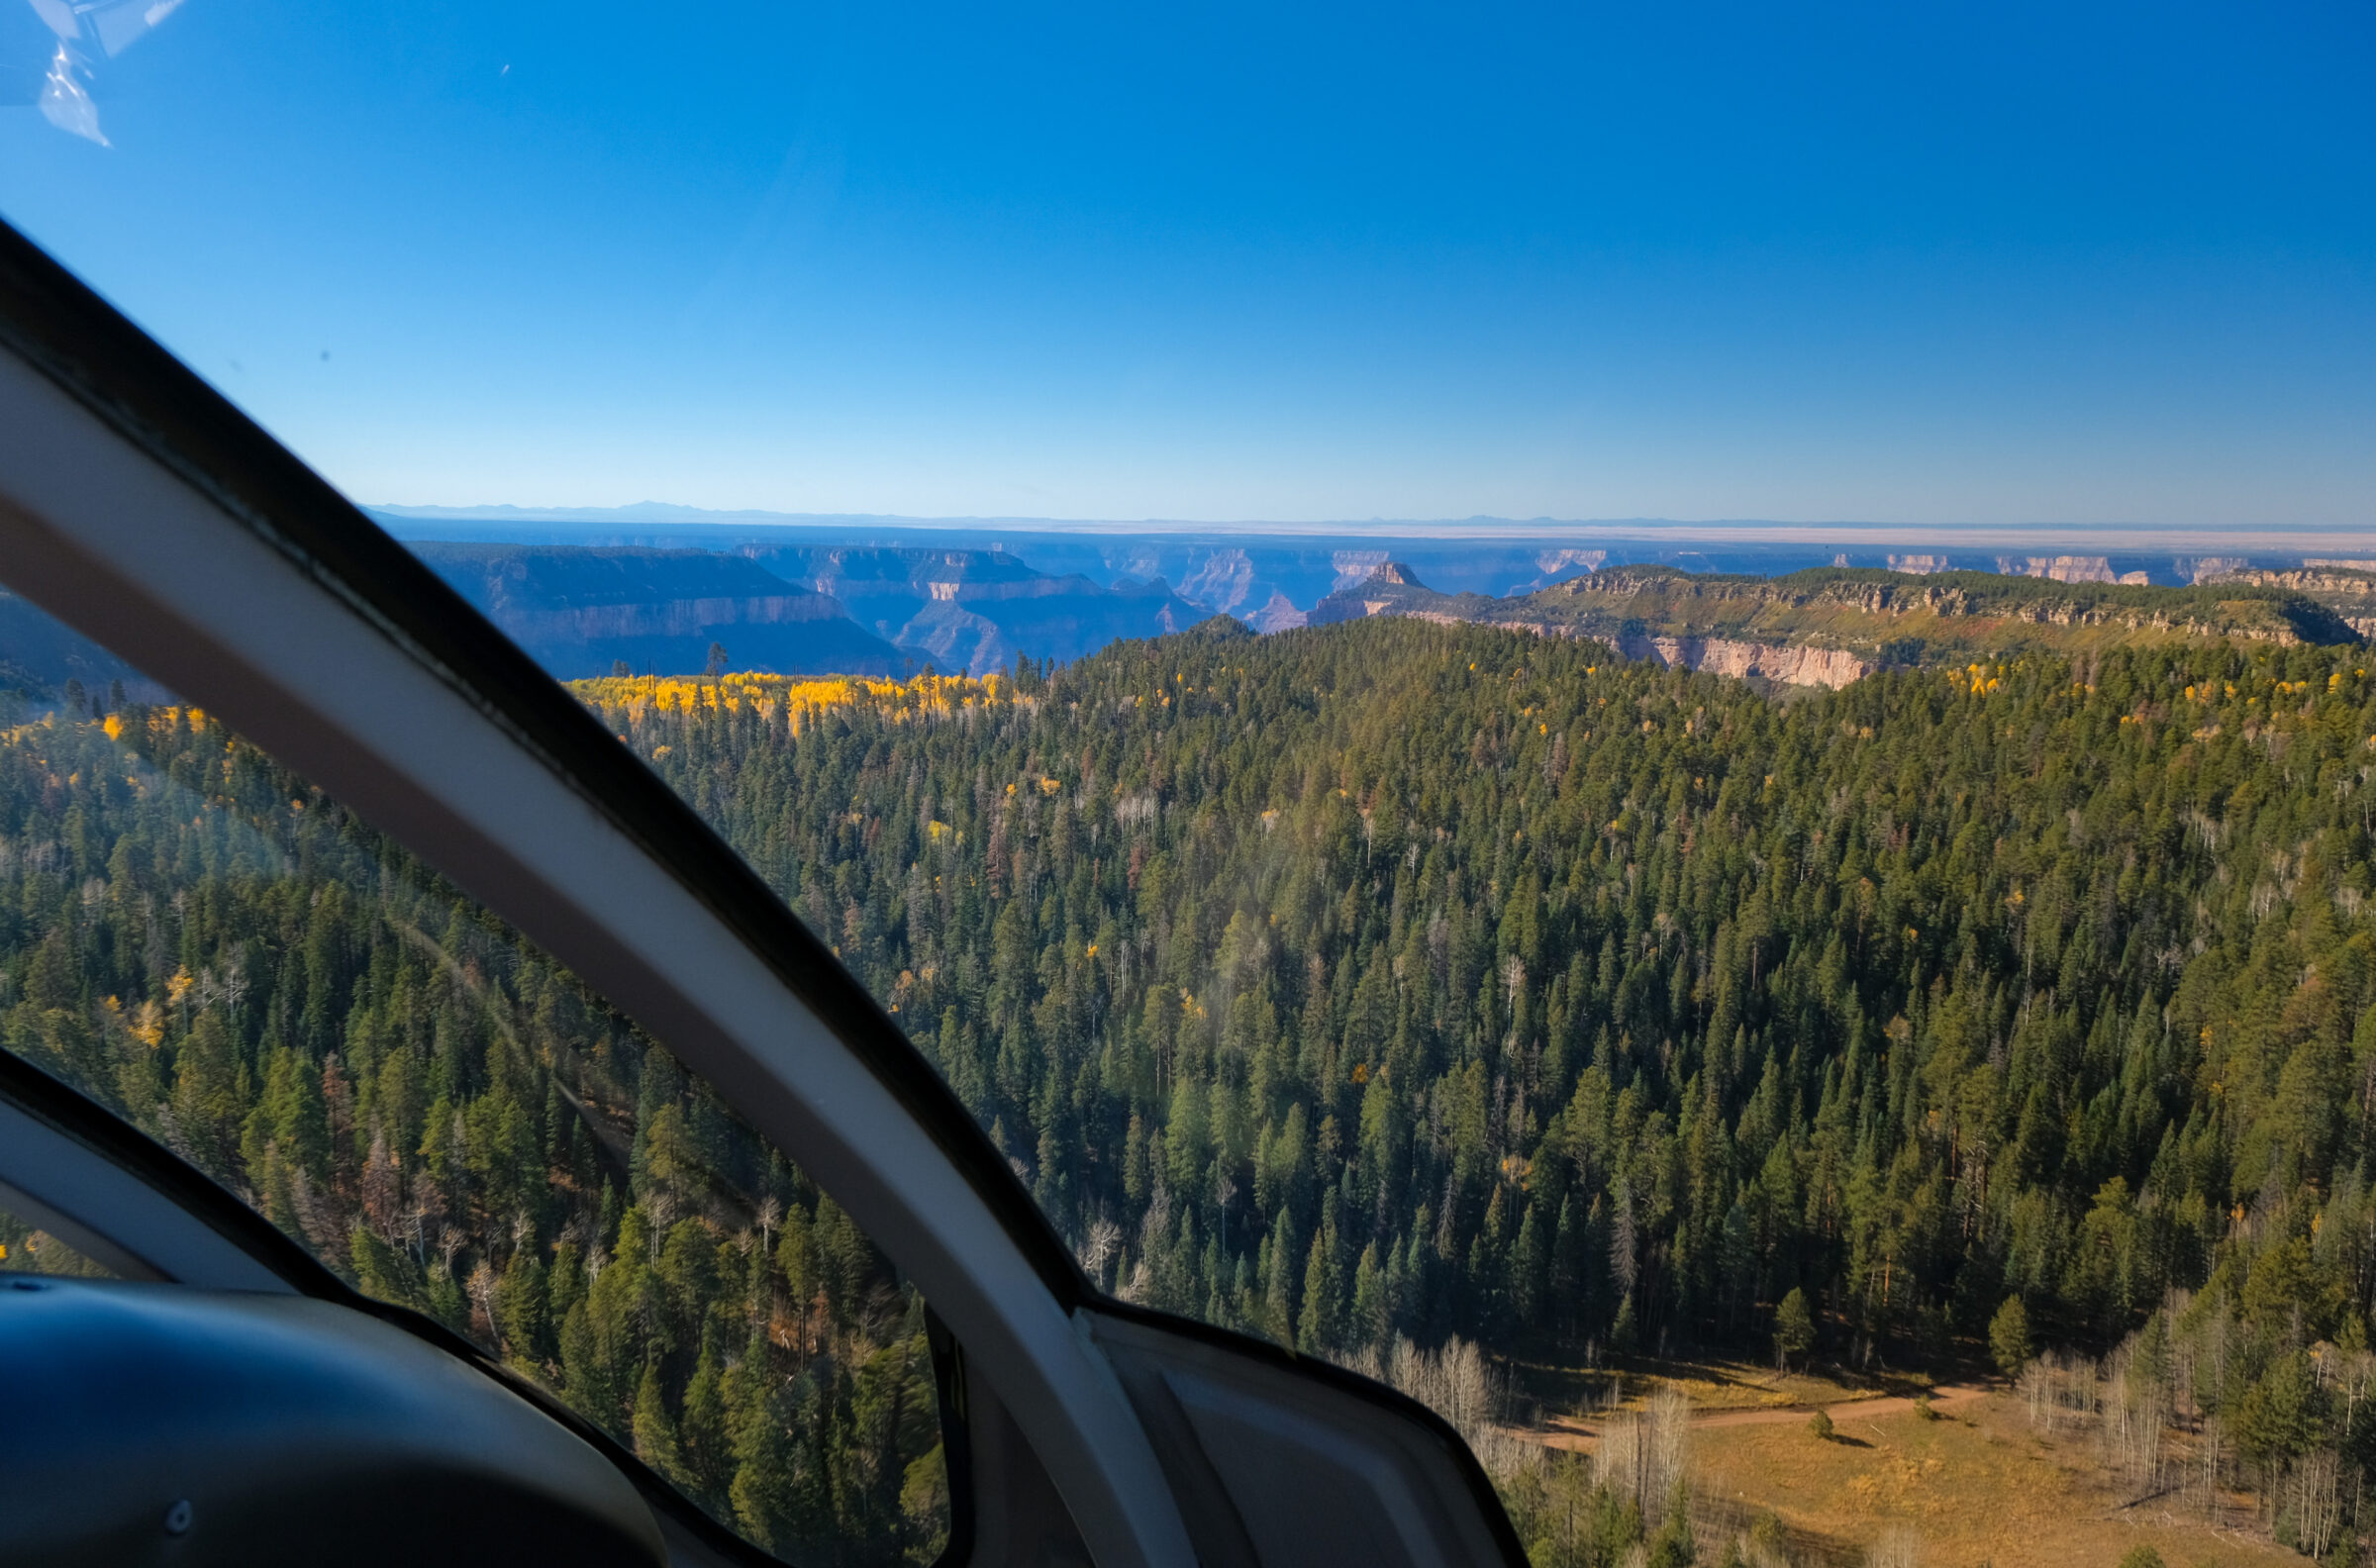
x=1793, y=667
x=667, y=618
x=1394, y=589
x=796, y=609
x=1868, y=610
x=976, y=610
x=1832, y=627
x=2347, y=590
x=582, y=612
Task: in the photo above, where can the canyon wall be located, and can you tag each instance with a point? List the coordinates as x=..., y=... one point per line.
x=1793, y=665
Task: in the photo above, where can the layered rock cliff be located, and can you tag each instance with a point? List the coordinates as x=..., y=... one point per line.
x=976, y=611
x=1792, y=666
x=1832, y=627
x=2349, y=589
x=582, y=611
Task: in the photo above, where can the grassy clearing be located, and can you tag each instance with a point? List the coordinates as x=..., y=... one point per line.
x=1978, y=1486
x=1975, y=1484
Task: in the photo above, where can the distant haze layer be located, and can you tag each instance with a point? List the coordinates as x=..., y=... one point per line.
x=657, y=587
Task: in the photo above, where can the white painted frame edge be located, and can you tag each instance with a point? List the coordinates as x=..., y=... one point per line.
x=103, y=537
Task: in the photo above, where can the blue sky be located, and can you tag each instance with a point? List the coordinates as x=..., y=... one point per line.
x=1936, y=263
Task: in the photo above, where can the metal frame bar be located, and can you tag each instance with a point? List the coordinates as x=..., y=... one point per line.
x=139, y=506
x=183, y=539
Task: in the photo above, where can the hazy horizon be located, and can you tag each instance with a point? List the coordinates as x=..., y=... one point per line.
x=2125, y=537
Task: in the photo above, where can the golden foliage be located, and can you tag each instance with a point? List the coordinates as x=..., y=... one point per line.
x=801, y=696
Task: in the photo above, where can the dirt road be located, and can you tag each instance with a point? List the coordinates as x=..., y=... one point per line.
x=1577, y=1434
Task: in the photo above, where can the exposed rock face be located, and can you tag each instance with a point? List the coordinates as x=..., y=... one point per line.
x=1800, y=665
x=2060, y=568
x=2342, y=578
x=2347, y=587
x=1792, y=665
x=667, y=618
x=579, y=610
x=1223, y=581
x=955, y=638
x=1278, y=615
x=976, y=610
x=1832, y=627
x=1392, y=588
x=797, y=609
x=1354, y=566
x=1389, y=588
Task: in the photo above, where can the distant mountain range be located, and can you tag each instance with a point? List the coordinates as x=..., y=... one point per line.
x=875, y=595
x=1831, y=625
x=794, y=609
x=1267, y=581
x=582, y=611
x=792, y=602
x=794, y=606
x=974, y=611
x=1271, y=577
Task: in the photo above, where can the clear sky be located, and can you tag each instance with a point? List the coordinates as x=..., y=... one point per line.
x=1935, y=262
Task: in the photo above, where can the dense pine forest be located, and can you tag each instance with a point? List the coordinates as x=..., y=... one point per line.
x=1396, y=979
x=245, y=970
x=1388, y=980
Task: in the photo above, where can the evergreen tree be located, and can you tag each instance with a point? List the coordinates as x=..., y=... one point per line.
x=655, y=1431
x=2008, y=1336
x=1793, y=1328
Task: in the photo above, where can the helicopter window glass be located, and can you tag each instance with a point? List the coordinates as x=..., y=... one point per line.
x=229, y=960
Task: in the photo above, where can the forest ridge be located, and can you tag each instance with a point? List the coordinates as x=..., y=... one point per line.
x=1829, y=625
x=1389, y=978
x=1398, y=977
